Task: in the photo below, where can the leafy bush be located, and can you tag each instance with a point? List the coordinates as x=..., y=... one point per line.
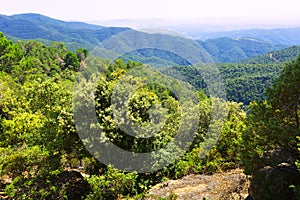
x=112, y=184
x=273, y=125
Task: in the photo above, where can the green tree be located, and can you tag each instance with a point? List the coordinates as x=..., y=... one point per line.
x=82, y=54
x=72, y=61
x=273, y=124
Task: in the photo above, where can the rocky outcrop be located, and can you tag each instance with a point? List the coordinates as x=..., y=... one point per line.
x=74, y=184
x=232, y=185
x=275, y=176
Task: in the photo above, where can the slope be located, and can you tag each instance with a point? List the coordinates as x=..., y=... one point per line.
x=285, y=55
x=35, y=26
x=113, y=42
x=225, y=49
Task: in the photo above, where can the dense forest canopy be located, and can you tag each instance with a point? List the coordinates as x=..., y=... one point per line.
x=40, y=145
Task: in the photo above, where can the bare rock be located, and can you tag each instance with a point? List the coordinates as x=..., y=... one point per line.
x=277, y=173
x=232, y=185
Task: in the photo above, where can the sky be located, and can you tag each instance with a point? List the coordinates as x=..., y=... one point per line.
x=99, y=10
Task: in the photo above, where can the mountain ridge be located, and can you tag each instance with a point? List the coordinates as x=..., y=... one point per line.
x=36, y=26
x=225, y=49
x=285, y=36
x=116, y=41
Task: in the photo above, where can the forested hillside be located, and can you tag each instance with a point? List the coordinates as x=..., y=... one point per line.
x=156, y=57
x=226, y=50
x=243, y=82
x=286, y=55
x=40, y=149
x=159, y=50
x=73, y=34
x=44, y=155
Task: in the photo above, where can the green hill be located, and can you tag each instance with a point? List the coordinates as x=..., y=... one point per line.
x=225, y=50
x=113, y=42
x=243, y=82
x=156, y=57
x=132, y=40
x=39, y=27
x=285, y=55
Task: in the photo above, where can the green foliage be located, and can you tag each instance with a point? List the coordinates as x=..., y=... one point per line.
x=224, y=156
x=273, y=124
x=72, y=61
x=82, y=54
x=189, y=74
x=285, y=93
x=113, y=184
x=156, y=57
x=242, y=82
x=58, y=184
x=226, y=152
x=248, y=82
x=10, y=54
x=286, y=55
x=36, y=115
x=38, y=140
x=22, y=160
x=139, y=104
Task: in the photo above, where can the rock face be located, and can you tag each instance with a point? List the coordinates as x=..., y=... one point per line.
x=273, y=179
x=232, y=185
x=75, y=185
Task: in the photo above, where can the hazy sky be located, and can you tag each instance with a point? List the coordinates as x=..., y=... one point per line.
x=91, y=10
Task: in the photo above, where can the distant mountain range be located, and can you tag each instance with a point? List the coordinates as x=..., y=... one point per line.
x=285, y=36
x=160, y=49
x=35, y=26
